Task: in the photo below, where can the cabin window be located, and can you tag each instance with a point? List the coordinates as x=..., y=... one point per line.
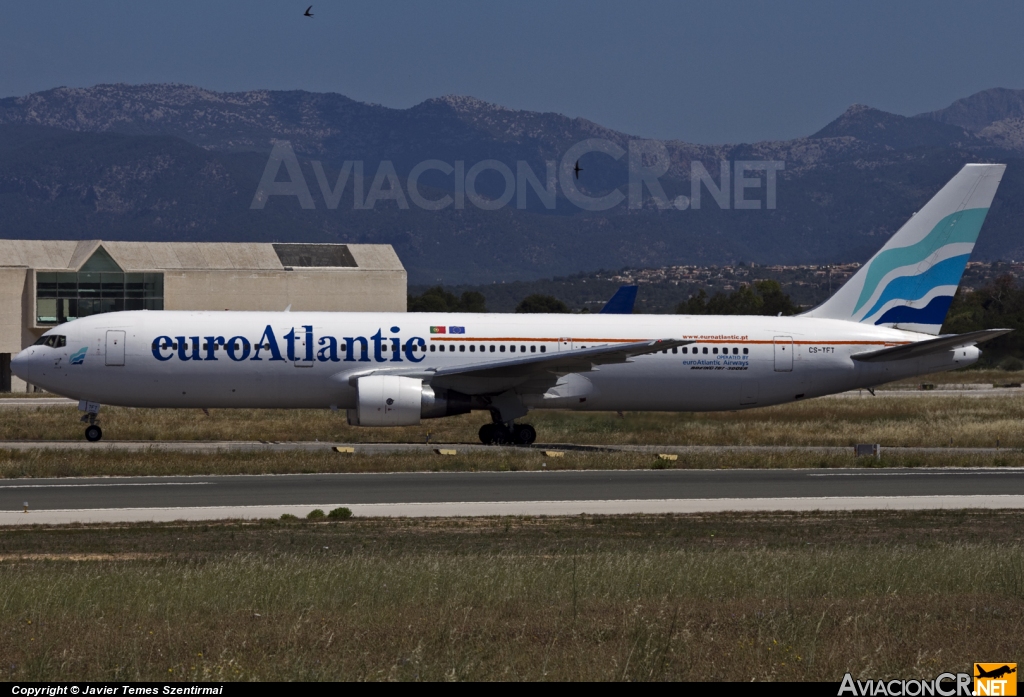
x=746, y=351
x=705, y=349
x=433, y=348
x=492, y=348
x=543, y=349
x=522, y=349
x=502, y=348
x=675, y=350
x=512, y=348
x=735, y=351
x=533, y=349
x=714, y=350
x=472, y=348
x=462, y=348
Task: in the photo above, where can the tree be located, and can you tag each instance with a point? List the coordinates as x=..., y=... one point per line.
x=1000, y=304
x=540, y=303
x=437, y=299
x=775, y=302
x=472, y=301
x=696, y=304
x=763, y=298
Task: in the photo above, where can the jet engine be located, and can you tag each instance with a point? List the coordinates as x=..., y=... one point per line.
x=391, y=400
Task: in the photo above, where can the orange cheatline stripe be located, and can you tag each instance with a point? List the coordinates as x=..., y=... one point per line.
x=697, y=341
x=442, y=337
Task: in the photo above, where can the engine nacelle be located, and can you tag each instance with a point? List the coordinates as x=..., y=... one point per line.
x=390, y=400
x=386, y=400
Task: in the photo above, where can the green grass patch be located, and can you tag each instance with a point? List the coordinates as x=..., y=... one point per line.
x=708, y=597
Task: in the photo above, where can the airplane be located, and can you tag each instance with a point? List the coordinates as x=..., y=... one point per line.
x=622, y=302
x=394, y=369
x=995, y=673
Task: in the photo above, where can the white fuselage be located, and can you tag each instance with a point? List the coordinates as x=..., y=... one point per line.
x=222, y=359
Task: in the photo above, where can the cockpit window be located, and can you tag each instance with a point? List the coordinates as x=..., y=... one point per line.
x=52, y=340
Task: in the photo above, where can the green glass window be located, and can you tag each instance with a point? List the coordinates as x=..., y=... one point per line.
x=100, y=286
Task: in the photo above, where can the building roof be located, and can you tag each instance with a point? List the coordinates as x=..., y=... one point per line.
x=69, y=255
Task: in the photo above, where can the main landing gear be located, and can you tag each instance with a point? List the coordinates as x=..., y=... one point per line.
x=502, y=434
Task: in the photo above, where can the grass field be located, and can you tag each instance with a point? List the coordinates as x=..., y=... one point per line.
x=83, y=463
x=891, y=421
x=735, y=597
x=968, y=376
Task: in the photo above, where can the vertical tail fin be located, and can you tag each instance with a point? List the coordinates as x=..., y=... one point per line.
x=622, y=302
x=910, y=282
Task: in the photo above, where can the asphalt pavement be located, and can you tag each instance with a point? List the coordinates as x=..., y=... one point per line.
x=513, y=493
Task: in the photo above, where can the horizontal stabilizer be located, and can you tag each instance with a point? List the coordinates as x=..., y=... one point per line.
x=929, y=346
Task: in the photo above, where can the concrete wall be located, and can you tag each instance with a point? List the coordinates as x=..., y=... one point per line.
x=12, y=321
x=327, y=290
x=14, y=335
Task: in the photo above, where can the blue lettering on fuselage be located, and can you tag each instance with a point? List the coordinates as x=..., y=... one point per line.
x=240, y=348
x=268, y=342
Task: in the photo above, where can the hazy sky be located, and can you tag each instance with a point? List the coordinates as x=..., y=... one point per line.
x=710, y=72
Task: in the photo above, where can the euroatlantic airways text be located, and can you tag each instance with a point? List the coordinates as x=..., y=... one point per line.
x=324, y=349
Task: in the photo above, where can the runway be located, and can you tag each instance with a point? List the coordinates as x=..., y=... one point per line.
x=504, y=493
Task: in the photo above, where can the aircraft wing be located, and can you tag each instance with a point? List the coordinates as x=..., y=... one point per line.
x=505, y=373
x=923, y=348
x=562, y=362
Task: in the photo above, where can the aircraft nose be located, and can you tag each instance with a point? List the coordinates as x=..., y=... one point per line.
x=19, y=364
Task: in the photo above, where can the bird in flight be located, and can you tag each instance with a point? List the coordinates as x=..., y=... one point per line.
x=577, y=169
x=307, y=13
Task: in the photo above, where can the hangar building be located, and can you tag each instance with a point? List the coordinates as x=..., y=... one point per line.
x=46, y=282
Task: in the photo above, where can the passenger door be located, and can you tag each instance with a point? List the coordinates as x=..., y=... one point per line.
x=783, y=354
x=115, y=347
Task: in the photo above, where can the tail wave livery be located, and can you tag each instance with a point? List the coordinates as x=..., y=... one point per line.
x=394, y=369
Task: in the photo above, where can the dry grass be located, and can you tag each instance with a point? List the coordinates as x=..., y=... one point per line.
x=968, y=376
x=891, y=421
x=734, y=597
x=86, y=463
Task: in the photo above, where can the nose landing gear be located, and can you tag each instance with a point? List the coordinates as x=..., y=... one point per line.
x=93, y=432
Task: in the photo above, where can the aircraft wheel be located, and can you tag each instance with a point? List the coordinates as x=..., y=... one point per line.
x=500, y=435
x=93, y=433
x=487, y=434
x=524, y=434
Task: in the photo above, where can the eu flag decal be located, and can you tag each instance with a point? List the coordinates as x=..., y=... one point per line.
x=437, y=330
x=456, y=330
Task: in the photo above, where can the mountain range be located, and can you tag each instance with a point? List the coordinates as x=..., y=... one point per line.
x=175, y=162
